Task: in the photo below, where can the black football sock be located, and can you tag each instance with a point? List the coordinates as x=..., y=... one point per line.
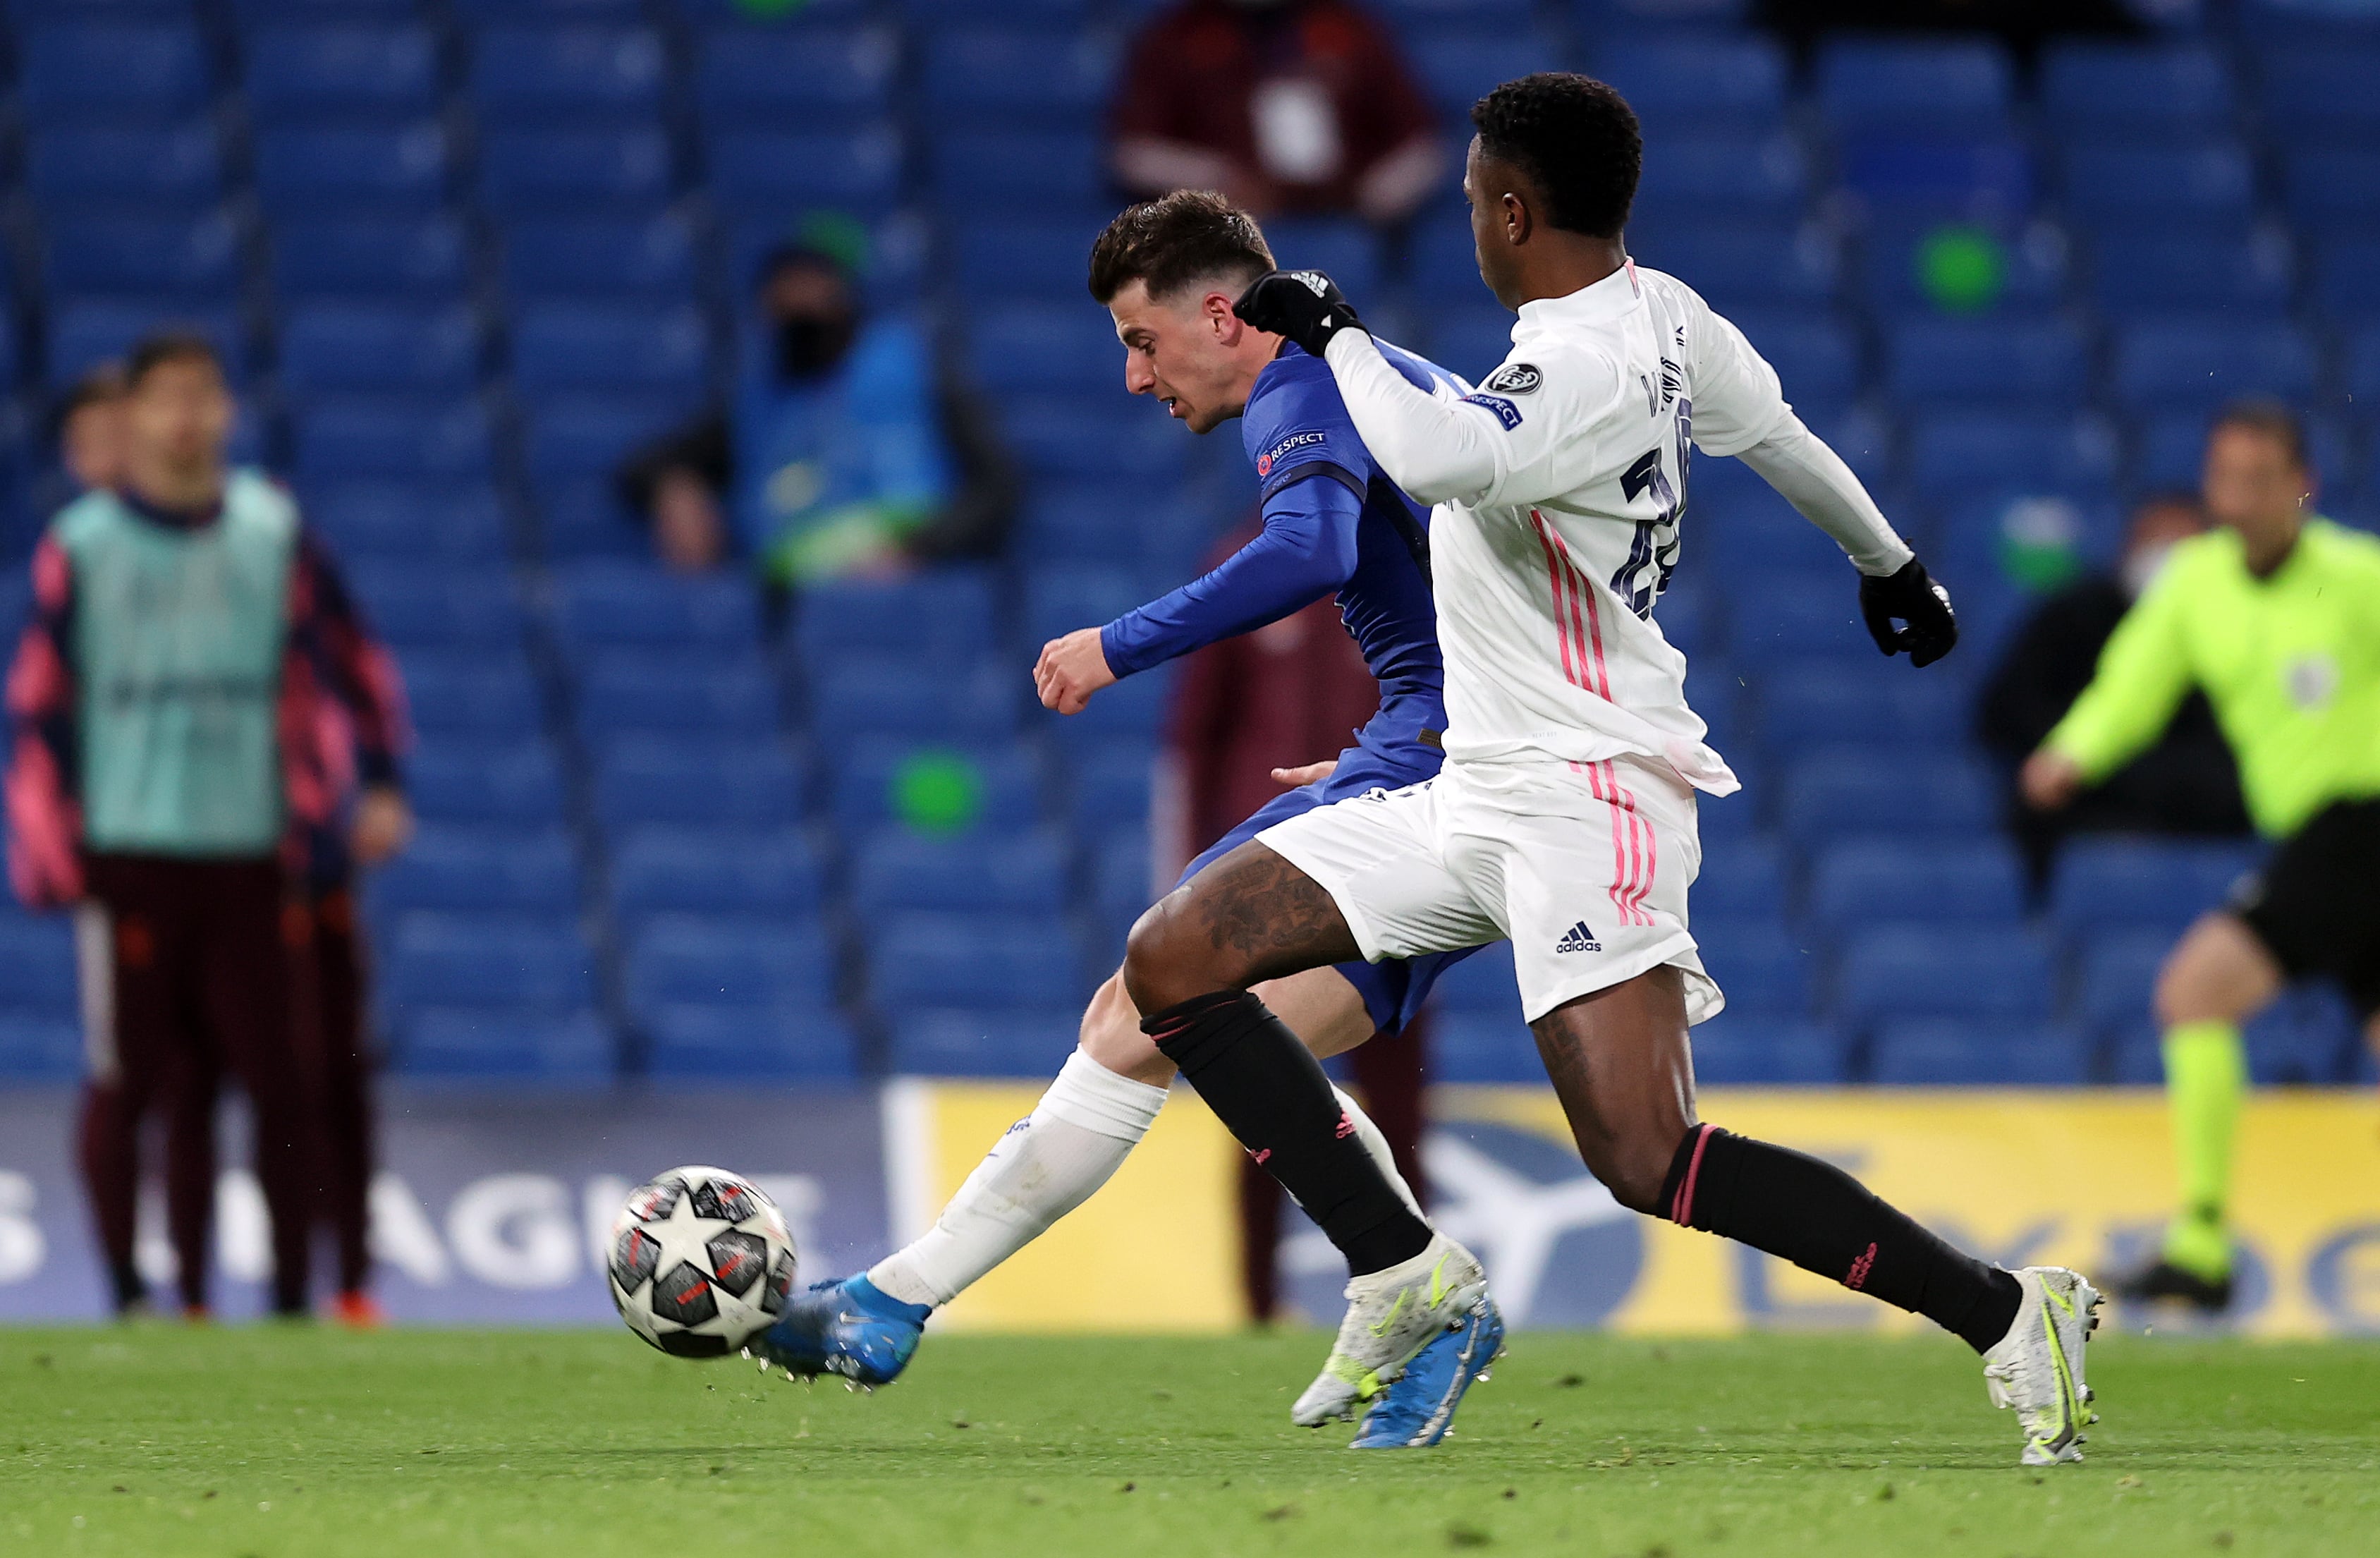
x=1801, y=1210
x=1269, y=1091
x=129, y=1287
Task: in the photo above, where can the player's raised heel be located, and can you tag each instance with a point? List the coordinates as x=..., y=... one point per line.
x=848, y=1327
x=1419, y=1408
x=1391, y=1316
x=2038, y=1366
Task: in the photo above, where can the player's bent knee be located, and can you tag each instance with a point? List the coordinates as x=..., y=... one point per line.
x=2214, y=974
x=1166, y=964
x=1112, y=1035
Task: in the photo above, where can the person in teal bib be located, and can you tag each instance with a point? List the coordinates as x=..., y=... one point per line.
x=191, y=700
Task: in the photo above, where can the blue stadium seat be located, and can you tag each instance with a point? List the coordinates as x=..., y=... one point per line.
x=580, y=257
x=1047, y=347
x=922, y=700
x=37, y=1048
x=1469, y=340
x=1901, y=176
x=646, y=690
x=164, y=260
x=773, y=169
x=2115, y=982
x=2173, y=181
x=1754, y=174
x=1482, y=985
x=1114, y=524
x=388, y=347
x=2035, y=364
x=1868, y=85
x=423, y=257
x=2183, y=365
x=1830, y=794
x=870, y=772
x=985, y=1044
x=84, y=333
x=1751, y=1051
x=470, y=693
x=587, y=436
x=37, y=964
x=259, y=14
x=1816, y=357
x=2364, y=364
x=1806, y=705
x=1059, y=168
x=1937, y=1052
x=1011, y=261
x=943, y=615
x=483, y=12
x=435, y=608
x=1010, y=79
x=1898, y=247
x=170, y=167
x=1108, y=785
x=489, y=960
x=581, y=518
x=514, y=782
x=715, y=870
x=625, y=168
x=354, y=436
x=1744, y=264
x=1485, y=1048
x=597, y=605
x=2135, y=88
x=1797, y=622
x=1958, y=454
x=534, y=74
x=1741, y=878
x=363, y=171
x=1060, y=599
x=1686, y=18
x=1123, y=882
x=2157, y=883
x=2333, y=190
x=746, y=785
x=1893, y=972
x=895, y=871
x=780, y=76
x=118, y=72
x=502, y=1043
x=1855, y=882
x=408, y=521
x=1458, y=64
x=2315, y=96
x=341, y=73
x=1700, y=84
x=2136, y=273
x=976, y=961
x=687, y=961
x=1765, y=970
x=455, y=868
x=1104, y=437
x=1347, y=249
x=618, y=346
x=741, y=1046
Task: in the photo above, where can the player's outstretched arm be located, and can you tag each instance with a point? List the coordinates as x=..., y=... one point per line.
x=1906, y=611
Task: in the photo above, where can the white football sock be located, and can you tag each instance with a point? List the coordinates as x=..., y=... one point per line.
x=1378, y=1146
x=1048, y=1164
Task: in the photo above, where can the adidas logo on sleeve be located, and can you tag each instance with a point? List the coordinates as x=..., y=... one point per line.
x=1578, y=938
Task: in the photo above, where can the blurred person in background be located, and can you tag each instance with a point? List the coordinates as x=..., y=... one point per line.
x=2185, y=783
x=187, y=702
x=90, y=430
x=2275, y=616
x=1290, y=687
x=845, y=452
x=1289, y=107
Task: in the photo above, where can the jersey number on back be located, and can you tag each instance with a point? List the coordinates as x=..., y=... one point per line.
x=1653, y=557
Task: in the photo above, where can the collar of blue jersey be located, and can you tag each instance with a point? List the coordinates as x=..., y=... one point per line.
x=1615, y=294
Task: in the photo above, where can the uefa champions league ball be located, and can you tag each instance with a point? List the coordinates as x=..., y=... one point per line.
x=700, y=1262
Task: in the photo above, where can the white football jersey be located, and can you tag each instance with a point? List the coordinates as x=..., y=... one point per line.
x=1545, y=585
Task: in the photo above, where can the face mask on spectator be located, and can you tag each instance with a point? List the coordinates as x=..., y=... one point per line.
x=810, y=343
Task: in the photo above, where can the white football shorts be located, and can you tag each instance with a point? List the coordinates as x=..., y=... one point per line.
x=1584, y=866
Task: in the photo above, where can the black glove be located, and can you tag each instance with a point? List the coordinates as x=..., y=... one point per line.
x=1305, y=306
x=1913, y=598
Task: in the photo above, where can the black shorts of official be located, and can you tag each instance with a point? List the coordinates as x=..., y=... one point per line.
x=2315, y=904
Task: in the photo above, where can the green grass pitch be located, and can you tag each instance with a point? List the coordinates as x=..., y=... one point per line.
x=570, y=1444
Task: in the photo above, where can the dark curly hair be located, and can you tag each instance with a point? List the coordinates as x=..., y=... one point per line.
x=1577, y=141
x=1167, y=243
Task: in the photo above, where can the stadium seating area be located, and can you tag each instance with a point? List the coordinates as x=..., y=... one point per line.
x=463, y=253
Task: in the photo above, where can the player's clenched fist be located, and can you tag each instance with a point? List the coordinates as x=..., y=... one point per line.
x=1070, y=670
x=1305, y=306
x=1912, y=598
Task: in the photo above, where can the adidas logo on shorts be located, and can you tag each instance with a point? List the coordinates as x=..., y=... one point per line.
x=1578, y=938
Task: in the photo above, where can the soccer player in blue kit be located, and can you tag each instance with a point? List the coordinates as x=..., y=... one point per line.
x=1167, y=271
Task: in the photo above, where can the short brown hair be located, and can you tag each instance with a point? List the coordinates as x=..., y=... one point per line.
x=1167, y=243
x=160, y=348
x=2273, y=420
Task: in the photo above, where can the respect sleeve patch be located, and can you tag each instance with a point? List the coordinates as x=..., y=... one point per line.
x=1506, y=412
x=1285, y=448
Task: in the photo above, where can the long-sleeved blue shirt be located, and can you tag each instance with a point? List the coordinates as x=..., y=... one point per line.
x=1332, y=521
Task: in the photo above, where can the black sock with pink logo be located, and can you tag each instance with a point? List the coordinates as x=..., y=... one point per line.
x=1803, y=1209
x=1269, y=1092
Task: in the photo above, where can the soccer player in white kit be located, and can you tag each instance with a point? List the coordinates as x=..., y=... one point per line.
x=1564, y=815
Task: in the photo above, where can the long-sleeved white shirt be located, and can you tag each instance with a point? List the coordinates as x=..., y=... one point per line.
x=1558, y=489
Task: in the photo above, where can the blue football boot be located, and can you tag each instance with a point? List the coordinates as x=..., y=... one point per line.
x=1418, y=1405
x=848, y=1327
